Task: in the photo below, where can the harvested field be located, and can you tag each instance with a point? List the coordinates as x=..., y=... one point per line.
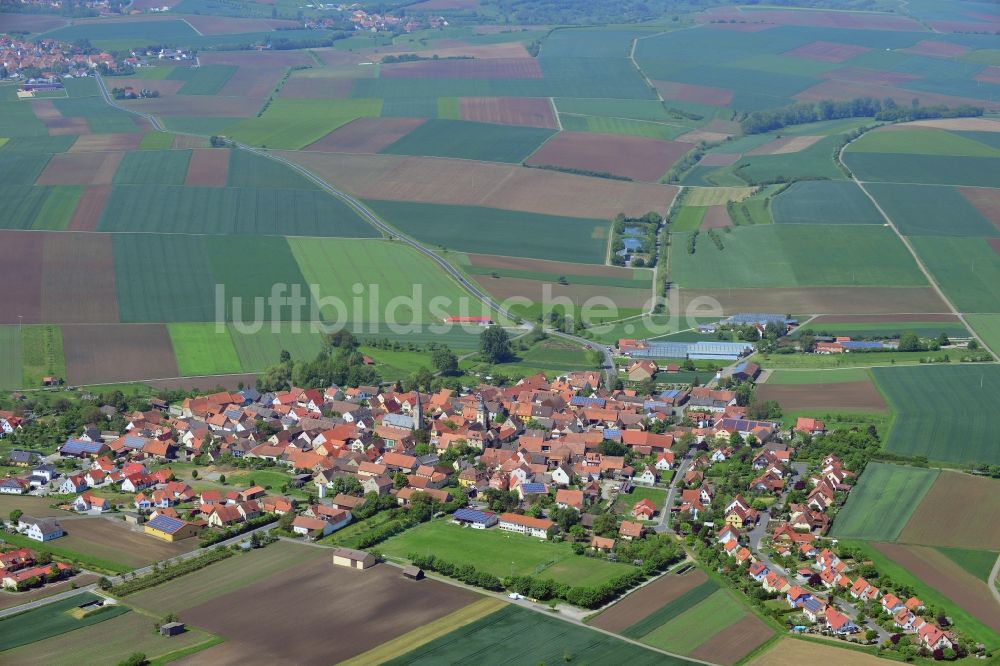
x=80, y=169
x=959, y=124
x=208, y=167
x=785, y=145
x=30, y=22
x=637, y=605
x=509, y=187
x=954, y=493
x=630, y=156
x=794, y=652
x=826, y=51
x=506, y=287
x=734, y=642
x=543, y=266
x=830, y=300
x=696, y=136
x=533, y=112
x=106, y=142
x=21, y=272
x=873, y=76
x=117, y=353
x=317, y=88
x=842, y=396
x=465, y=68
x=89, y=208
x=366, y=135
x=945, y=576
x=716, y=217
x=114, y=540
x=689, y=92
x=931, y=47
x=986, y=201
x=78, y=282
x=382, y=604
x=719, y=159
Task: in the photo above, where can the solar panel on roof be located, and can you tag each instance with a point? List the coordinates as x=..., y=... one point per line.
x=533, y=487
x=166, y=524
x=471, y=515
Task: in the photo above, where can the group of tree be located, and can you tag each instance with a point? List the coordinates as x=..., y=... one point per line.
x=339, y=363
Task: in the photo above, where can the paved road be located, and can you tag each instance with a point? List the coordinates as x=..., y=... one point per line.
x=664, y=524
x=609, y=360
x=14, y=610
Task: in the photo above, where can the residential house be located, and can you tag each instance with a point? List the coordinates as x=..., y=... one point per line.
x=536, y=527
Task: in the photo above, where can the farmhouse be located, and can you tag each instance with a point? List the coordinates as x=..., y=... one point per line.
x=40, y=529
x=353, y=559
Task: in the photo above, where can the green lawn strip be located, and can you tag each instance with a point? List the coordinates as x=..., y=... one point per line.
x=979, y=563
x=11, y=358
x=882, y=502
x=87, y=561
x=596, y=280
x=502, y=553
x=688, y=218
x=672, y=609
x=186, y=652
x=832, y=376
x=41, y=354
x=202, y=350
x=824, y=202
x=51, y=620
x=921, y=141
x=156, y=140
x=697, y=625
x=58, y=208
x=965, y=622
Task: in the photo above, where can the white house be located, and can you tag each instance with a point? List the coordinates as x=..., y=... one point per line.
x=561, y=476
x=13, y=486
x=40, y=529
x=647, y=477
x=536, y=527
x=73, y=484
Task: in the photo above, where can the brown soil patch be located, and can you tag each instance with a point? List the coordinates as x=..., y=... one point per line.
x=695, y=136
x=89, y=208
x=382, y=605
x=986, y=201
x=277, y=59
x=188, y=142
x=639, y=604
x=209, y=167
x=849, y=300
x=45, y=109
x=366, y=135
x=688, y=92
x=114, y=540
x=194, y=105
x=878, y=319
x=252, y=82
x=933, y=568
x=29, y=23
x=827, y=51
x=225, y=25
x=990, y=74
x=78, y=286
x=475, y=68
x=80, y=169
x=231, y=382
x=117, y=353
x=460, y=182
x=21, y=275
x=9, y=599
x=716, y=217
x=106, y=142
x=785, y=145
x=719, y=159
x=67, y=126
x=845, y=90
x=533, y=112
x=793, y=652
x=734, y=642
x=956, y=494
x=315, y=87
x=503, y=288
x=959, y=124
x=544, y=266
x=507, y=50
x=847, y=396
x=634, y=157
x=994, y=243
x=930, y=47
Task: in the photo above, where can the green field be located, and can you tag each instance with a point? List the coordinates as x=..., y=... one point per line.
x=145, y=263
x=386, y=271
x=987, y=326
x=502, y=553
x=795, y=256
x=138, y=33
x=688, y=218
x=920, y=210
x=881, y=503
x=230, y=210
x=42, y=354
x=153, y=167
x=648, y=326
x=925, y=169
x=260, y=350
x=641, y=280
x=921, y=142
x=553, y=354
x=204, y=80
x=819, y=362
x=21, y=168
x=636, y=109
x=248, y=169
x=943, y=412
x=295, y=123
x=671, y=610
x=925, y=329
x=247, y=292
x=602, y=125
x=11, y=375
x=393, y=365
x=471, y=141
x=201, y=350
x=41, y=208
x=815, y=162
x=51, y=620
x=966, y=269
x=698, y=624
x=785, y=377
x=491, y=641
x=502, y=232
x=979, y=563
x=156, y=141
x=824, y=202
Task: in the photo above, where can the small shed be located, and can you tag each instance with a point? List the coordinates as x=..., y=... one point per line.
x=133, y=518
x=413, y=572
x=353, y=559
x=171, y=628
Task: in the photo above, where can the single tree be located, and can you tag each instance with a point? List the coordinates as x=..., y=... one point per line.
x=494, y=345
x=445, y=361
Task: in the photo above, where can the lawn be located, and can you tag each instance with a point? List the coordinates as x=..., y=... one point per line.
x=387, y=273
x=471, y=141
x=626, y=501
x=51, y=620
x=824, y=202
x=943, y=412
x=688, y=218
x=966, y=269
x=393, y=365
x=295, y=123
x=920, y=210
x=925, y=329
x=697, y=625
x=794, y=256
x=552, y=354
x=671, y=610
x=268, y=479
x=514, y=632
x=11, y=374
x=261, y=350
x=988, y=328
x=202, y=350
x=500, y=232
x=979, y=563
x=833, y=376
x=921, y=141
x=502, y=553
x=156, y=140
x=882, y=502
x=42, y=354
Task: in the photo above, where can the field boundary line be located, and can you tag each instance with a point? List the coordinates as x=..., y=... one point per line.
x=200, y=34
x=555, y=111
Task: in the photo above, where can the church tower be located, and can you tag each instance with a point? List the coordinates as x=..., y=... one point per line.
x=482, y=414
x=418, y=418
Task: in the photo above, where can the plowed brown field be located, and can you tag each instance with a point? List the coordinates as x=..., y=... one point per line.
x=78, y=284
x=80, y=169
x=117, y=353
x=208, y=167
x=532, y=112
x=974, y=498
x=847, y=396
x=366, y=135
x=89, y=208
x=634, y=157
x=637, y=605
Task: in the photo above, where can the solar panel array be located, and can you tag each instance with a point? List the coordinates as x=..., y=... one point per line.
x=166, y=524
